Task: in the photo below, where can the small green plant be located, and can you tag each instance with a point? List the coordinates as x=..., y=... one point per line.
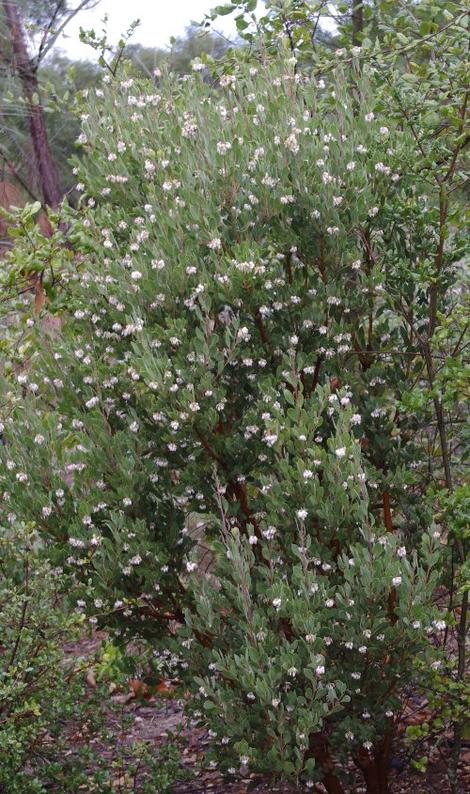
x=38, y=689
x=49, y=722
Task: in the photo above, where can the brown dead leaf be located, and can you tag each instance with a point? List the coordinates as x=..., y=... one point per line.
x=44, y=224
x=139, y=689
x=91, y=679
x=39, y=296
x=10, y=195
x=335, y=383
x=164, y=688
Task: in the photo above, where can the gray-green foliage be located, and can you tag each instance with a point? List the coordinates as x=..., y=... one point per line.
x=238, y=346
x=306, y=633
x=298, y=664
x=224, y=259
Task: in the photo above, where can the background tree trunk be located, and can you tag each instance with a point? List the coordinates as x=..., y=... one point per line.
x=26, y=68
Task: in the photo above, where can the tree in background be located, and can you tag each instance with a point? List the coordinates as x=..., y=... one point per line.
x=57, y=82
x=47, y=21
x=180, y=53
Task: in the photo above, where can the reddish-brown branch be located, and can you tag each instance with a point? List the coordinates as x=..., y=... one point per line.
x=321, y=260
x=363, y=356
x=382, y=759
x=357, y=19
x=387, y=511
x=289, y=268
x=369, y=768
x=438, y=261
x=261, y=328
x=210, y=450
x=319, y=748
x=392, y=596
x=316, y=374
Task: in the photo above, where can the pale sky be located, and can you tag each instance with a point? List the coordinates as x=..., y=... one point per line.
x=160, y=19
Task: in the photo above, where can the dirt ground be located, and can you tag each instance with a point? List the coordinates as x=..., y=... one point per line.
x=151, y=720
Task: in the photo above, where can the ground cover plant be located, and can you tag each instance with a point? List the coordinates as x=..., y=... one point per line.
x=240, y=442
x=38, y=690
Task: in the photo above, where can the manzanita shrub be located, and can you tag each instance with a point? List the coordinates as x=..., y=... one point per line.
x=230, y=359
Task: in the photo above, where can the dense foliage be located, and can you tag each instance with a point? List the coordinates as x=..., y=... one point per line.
x=171, y=383
x=244, y=410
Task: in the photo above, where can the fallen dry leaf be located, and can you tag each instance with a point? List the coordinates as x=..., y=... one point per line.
x=91, y=679
x=139, y=689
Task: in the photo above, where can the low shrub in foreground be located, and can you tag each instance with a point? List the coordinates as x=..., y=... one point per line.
x=38, y=690
x=53, y=729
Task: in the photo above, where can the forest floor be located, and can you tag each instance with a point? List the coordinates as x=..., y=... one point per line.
x=157, y=720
